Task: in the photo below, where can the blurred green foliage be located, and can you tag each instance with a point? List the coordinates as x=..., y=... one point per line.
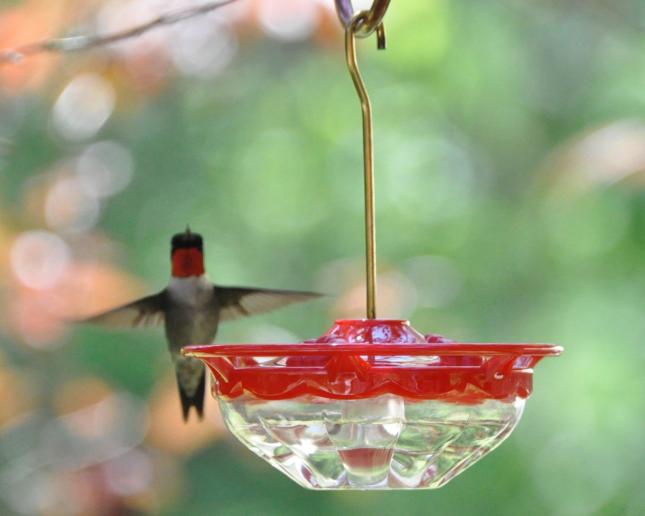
x=470, y=100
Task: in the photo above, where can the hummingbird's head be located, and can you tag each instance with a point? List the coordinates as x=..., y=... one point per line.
x=187, y=254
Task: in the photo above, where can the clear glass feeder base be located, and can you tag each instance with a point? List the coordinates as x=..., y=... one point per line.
x=387, y=442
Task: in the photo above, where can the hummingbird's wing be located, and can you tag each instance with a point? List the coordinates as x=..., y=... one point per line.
x=145, y=312
x=236, y=302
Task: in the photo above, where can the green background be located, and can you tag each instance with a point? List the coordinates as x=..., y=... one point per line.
x=485, y=118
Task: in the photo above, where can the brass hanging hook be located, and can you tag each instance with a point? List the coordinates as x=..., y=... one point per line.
x=360, y=20
x=371, y=22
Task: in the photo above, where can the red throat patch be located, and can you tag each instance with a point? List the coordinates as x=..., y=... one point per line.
x=187, y=262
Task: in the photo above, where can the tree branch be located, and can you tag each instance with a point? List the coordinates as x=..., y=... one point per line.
x=80, y=43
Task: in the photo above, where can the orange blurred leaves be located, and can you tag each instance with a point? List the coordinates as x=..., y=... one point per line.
x=169, y=433
x=31, y=21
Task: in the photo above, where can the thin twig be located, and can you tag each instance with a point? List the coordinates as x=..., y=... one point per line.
x=79, y=43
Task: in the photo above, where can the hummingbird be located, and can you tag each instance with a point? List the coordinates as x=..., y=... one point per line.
x=190, y=310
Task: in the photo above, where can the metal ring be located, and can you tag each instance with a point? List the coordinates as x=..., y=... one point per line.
x=374, y=18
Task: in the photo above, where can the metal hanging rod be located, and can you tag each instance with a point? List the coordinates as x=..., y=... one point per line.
x=362, y=24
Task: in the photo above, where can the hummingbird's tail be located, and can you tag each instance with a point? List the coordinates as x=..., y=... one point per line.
x=195, y=398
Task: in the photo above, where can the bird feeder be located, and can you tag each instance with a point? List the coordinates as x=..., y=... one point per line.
x=373, y=403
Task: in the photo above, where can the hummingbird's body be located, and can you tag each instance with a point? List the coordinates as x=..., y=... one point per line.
x=190, y=309
x=192, y=315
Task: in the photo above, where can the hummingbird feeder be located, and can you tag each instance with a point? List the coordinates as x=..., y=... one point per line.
x=373, y=403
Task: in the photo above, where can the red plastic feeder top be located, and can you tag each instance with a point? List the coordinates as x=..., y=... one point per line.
x=359, y=359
